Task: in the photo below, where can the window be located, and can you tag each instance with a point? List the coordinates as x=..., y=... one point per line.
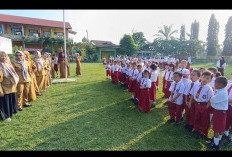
x=46, y=34
x=33, y=32
x=1, y=31
x=16, y=31
x=59, y=34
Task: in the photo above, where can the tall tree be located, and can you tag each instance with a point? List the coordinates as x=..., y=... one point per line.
x=139, y=39
x=127, y=45
x=227, y=48
x=166, y=32
x=182, y=33
x=212, y=39
x=194, y=30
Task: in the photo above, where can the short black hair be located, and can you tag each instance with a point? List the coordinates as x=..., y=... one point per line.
x=213, y=69
x=222, y=80
x=153, y=67
x=198, y=72
x=178, y=73
x=218, y=74
x=172, y=65
x=139, y=65
x=207, y=73
x=145, y=71
x=202, y=69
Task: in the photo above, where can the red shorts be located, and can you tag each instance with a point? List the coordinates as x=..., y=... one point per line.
x=228, y=117
x=108, y=73
x=219, y=120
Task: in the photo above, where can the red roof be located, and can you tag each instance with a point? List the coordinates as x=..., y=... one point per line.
x=33, y=21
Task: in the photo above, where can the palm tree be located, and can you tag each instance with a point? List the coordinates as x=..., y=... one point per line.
x=166, y=33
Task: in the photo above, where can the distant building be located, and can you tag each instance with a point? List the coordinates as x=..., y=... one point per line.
x=20, y=28
x=105, y=49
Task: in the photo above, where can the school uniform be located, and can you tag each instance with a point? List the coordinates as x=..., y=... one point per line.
x=133, y=81
x=169, y=80
x=219, y=104
x=137, y=91
x=123, y=78
x=144, y=99
x=127, y=77
x=212, y=83
x=23, y=84
x=158, y=77
x=202, y=95
x=189, y=112
x=153, y=78
x=176, y=108
x=229, y=111
x=108, y=72
x=32, y=91
x=119, y=73
x=164, y=81
x=116, y=67
x=112, y=73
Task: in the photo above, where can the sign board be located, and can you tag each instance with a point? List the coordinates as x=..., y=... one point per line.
x=6, y=45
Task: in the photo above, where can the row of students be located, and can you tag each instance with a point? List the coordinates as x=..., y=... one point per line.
x=22, y=80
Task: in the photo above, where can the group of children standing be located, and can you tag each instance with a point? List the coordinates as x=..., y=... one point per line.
x=203, y=96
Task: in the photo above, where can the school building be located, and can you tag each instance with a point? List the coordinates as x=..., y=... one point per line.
x=27, y=32
x=105, y=49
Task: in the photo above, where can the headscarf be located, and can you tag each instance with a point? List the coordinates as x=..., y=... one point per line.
x=61, y=56
x=39, y=61
x=22, y=62
x=8, y=70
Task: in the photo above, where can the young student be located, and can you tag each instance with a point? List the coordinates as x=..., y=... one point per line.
x=169, y=80
x=175, y=106
x=219, y=104
x=164, y=76
x=123, y=73
x=144, y=98
x=190, y=108
x=108, y=72
x=132, y=80
x=201, y=71
x=158, y=72
x=127, y=74
x=229, y=116
x=218, y=74
x=138, y=79
x=183, y=66
x=153, y=78
x=116, y=68
x=213, y=71
x=201, y=94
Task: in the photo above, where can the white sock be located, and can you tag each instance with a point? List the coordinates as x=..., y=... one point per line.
x=220, y=137
x=226, y=133
x=132, y=96
x=216, y=141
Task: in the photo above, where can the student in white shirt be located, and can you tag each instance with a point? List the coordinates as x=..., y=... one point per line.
x=108, y=72
x=190, y=108
x=153, y=78
x=221, y=65
x=144, y=98
x=219, y=104
x=201, y=94
x=169, y=80
x=175, y=106
x=164, y=75
x=213, y=71
x=138, y=79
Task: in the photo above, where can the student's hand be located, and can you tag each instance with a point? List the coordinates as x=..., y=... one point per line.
x=172, y=100
x=1, y=94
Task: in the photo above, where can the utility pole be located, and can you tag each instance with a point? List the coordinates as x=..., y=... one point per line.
x=65, y=55
x=87, y=35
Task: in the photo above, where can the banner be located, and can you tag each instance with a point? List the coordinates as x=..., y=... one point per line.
x=6, y=45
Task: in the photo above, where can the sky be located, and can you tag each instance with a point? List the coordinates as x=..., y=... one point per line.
x=111, y=25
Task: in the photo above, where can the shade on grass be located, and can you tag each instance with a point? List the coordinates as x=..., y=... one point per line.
x=94, y=114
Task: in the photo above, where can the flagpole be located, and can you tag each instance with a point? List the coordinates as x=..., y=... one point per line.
x=65, y=47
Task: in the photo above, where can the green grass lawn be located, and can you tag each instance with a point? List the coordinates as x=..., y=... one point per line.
x=94, y=114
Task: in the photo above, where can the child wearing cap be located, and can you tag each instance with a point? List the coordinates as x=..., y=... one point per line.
x=219, y=104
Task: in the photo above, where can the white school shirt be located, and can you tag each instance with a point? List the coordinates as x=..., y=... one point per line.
x=124, y=69
x=229, y=81
x=220, y=99
x=55, y=61
x=170, y=76
x=164, y=73
x=211, y=84
x=112, y=68
x=188, y=87
x=145, y=82
x=205, y=94
x=185, y=81
x=179, y=89
x=131, y=72
x=218, y=64
x=134, y=75
x=119, y=68
x=154, y=76
x=229, y=94
x=139, y=77
x=128, y=71
x=116, y=67
x=107, y=67
x=158, y=70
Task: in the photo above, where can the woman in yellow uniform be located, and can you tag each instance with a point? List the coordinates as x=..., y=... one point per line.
x=8, y=83
x=21, y=67
x=40, y=71
x=32, y=91
x=64, y=63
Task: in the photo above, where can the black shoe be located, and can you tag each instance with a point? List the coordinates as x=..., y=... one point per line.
x=171, y=121
x=186, y=126
x=196, y=134
x=203, y=137
x=213, y=146
x=20, y=109
x=27, y=105
x=177, y=123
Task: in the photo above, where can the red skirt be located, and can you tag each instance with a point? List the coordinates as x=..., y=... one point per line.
x=137, y=90
x=164, y=82
x=153, y=91
x=167, y=92
x=119, y=76
x=144, y=100
x=115, y=77
x=127, y=81
x=132, y=85
x=108, y=73
x=123, y=78
x=112, y=76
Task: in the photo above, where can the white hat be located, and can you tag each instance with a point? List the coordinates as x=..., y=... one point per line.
x=185, y=72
